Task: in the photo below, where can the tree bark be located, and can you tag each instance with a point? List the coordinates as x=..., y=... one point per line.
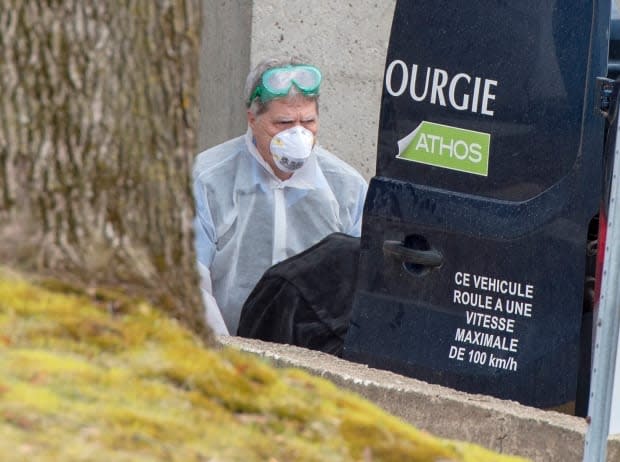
x=97, y=136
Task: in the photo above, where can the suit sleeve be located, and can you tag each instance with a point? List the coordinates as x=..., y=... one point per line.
x=358, y=210
x=205, y=242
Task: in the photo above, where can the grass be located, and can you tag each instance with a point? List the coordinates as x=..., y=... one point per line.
x=90, y=378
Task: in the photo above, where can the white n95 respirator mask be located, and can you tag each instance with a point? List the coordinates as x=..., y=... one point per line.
x=291, y=148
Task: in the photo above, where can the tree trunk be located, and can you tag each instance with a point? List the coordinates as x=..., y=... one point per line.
x=97, y=136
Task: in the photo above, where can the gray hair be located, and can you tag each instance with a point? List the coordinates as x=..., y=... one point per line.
x=257, y=106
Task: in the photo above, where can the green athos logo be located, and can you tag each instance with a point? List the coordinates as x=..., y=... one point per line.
x=447, y=147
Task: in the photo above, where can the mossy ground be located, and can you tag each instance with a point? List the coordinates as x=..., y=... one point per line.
x=83, y=378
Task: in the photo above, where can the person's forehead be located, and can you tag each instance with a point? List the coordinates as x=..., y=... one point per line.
x=291, y=107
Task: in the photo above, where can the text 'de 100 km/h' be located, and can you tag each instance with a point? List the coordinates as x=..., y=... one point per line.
x=492, y=306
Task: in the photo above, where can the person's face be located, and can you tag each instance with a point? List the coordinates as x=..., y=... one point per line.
x=280, y=115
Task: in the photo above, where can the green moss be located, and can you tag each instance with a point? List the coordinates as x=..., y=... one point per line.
x=81, y=382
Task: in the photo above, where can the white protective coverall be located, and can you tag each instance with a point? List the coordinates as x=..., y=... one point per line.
x=248, y=220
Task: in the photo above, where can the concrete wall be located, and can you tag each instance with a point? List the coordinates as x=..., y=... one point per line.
x=346, y=40
x=224, y=63
x=504, y=426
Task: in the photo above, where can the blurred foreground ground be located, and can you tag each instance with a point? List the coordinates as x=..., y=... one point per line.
x=100, y=377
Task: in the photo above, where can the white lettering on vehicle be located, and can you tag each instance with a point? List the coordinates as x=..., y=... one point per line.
x=497, y=310
x=460, y=91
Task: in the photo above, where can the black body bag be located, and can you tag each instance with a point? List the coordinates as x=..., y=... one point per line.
x=306, y=300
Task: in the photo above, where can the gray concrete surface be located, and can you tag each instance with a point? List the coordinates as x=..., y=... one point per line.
x=503, y=426
x=224, y=63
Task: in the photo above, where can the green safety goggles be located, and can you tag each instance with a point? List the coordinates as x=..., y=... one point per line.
x=277, y=82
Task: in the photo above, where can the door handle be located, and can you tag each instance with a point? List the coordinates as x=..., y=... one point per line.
x=430, y=257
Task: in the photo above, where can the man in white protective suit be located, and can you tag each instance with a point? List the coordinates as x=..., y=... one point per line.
x=269, y=194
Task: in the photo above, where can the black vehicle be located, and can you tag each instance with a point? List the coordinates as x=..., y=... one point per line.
x=482, y=222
